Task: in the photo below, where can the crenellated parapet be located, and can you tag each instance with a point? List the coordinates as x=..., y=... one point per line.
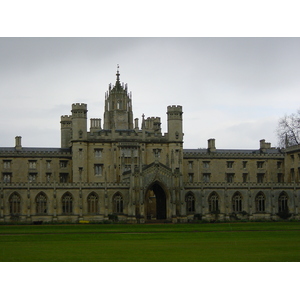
x=153, y=123
x=66, y=121
x=79, y=110
x=174, y=112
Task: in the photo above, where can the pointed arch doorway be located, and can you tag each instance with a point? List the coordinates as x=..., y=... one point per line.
x=156, y=203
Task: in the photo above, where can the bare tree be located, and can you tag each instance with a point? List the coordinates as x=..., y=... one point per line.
x=288, y=130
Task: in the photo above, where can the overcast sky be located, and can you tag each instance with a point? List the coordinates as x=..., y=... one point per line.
x=231, y=89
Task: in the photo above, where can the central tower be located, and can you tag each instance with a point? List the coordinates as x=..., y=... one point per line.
x=118, y=107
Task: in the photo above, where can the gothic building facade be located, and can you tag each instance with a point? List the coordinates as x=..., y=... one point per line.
x=120, y=170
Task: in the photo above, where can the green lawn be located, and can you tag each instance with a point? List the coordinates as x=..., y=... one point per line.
x=266, y=241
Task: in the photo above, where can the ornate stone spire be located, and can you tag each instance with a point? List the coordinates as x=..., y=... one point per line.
x=118, y=76
x=118, y=109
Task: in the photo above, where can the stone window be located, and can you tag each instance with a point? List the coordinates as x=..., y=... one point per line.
x=292, y=174
x=67, y=204
x=279, y=164
x=63, y=163
x=48, y=177
x=245, y=177
x=260, y=164
x=7, y=177
x=230, y=164
x=282, y=202
x=236, y=202
x=230, y=177
x=206, y=177
x=63, y=177
x=279, y=177
x=7, y=164
x=118, y=204
x=260, y=178
x=260, y=202
x=190, y=203
x=92, y=202
x=191, y=163
x=98, y=153
x=41, y=204
x=15, y=204
x=213, y=203
x=157, y=153
x=191, y=177
x=32, y=164
x=98, y=168
x=48, y=164
x=32, y=177
x=129, y=152
x=244, y=164
x=206, y=164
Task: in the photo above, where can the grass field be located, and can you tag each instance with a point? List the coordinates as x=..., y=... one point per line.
x=220, y=242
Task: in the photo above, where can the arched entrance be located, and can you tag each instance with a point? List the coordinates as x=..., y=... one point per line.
x=156, y=204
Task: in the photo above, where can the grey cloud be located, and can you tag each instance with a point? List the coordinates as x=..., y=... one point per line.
x=219, y=81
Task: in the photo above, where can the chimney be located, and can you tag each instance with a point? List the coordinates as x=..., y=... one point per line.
x=18, y=145
x=264, y=145
x=211, y=145
x=136, y=123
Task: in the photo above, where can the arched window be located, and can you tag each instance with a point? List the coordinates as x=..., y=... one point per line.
x=92, y=202
x=260, y=200
x=213, y=202
x=236, y=202
x=118, y=204
x=67, y=204
x=190, y=203
x=15, y=204
x=282, y=202
x=41, y=203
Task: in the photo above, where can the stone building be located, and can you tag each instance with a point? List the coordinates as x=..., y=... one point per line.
x=132, y=172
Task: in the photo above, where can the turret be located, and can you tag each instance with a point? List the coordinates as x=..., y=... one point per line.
x=65, y=130
x=79, y=121
x=175, y=133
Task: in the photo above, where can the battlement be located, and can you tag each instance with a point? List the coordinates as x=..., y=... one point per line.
x=66, y=118
x=174, y=108
x=174, y=113
x=79, y=106
x=153, y=119
x=152, y=123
